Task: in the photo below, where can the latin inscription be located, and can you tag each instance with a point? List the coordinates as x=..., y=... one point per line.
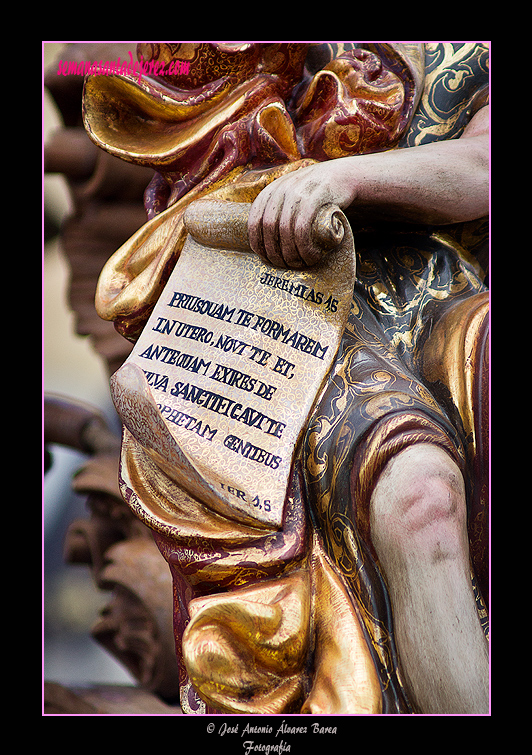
x=213, y=400
x=235, y=362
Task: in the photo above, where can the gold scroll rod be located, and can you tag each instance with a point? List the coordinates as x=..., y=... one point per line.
x=227, y=227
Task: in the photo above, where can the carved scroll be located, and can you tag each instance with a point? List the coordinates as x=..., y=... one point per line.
x=222, y=379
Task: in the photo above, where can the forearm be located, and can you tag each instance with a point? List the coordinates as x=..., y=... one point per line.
x=437, y=183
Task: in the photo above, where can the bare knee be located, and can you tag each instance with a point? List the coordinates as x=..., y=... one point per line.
x=418, y=505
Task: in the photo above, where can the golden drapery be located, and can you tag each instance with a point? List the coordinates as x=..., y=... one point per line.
x=244, y=115
x=223, y=138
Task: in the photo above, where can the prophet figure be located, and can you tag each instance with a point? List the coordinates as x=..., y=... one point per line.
x=372, y=595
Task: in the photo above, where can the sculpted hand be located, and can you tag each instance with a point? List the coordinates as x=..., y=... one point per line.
x=281, y=217
x=435, y=184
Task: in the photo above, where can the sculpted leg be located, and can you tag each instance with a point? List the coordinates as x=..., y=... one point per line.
x=418, y=528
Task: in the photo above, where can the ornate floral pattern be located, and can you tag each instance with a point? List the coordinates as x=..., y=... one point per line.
x=378, y=398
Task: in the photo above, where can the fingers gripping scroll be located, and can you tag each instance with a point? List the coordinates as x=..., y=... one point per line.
x=304, y=246
x=296, y=219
